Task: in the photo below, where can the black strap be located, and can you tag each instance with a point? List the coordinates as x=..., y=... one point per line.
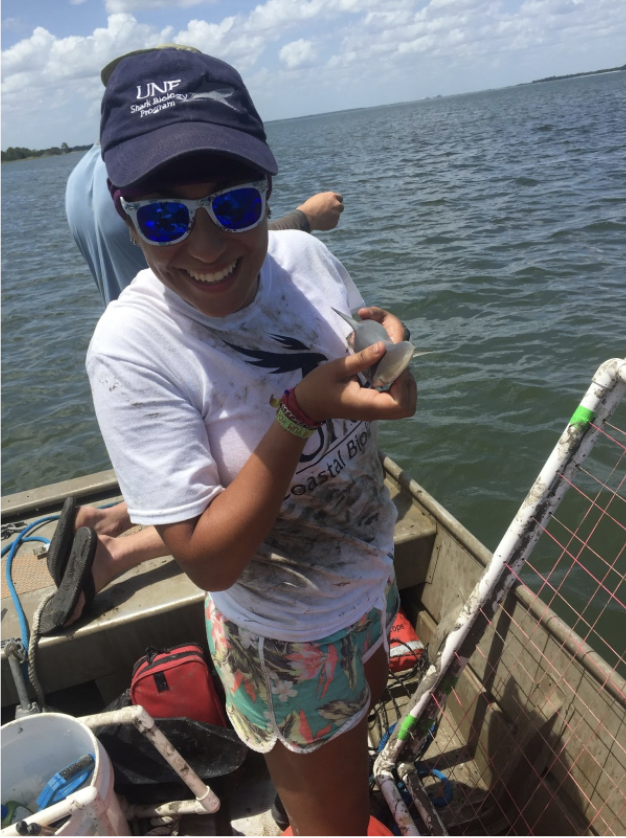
x=161, y=682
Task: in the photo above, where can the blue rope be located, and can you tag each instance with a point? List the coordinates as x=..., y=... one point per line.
x=12, y=551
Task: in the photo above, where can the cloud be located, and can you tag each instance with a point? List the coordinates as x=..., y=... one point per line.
x=229, y=40
x=347, y=52
x=298, y=53
x=11, y=24
x=44, y=75
x=46, y=60
x=129, y=6
x=475, y=28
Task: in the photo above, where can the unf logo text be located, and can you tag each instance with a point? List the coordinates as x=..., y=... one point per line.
x=154, y=89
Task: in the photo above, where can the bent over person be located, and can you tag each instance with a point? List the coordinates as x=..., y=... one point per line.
x=239, y=427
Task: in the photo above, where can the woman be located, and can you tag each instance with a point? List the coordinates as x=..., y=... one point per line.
x=277, y=508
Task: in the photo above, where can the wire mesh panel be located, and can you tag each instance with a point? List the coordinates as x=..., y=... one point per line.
x=518, y=726
x=532, y=740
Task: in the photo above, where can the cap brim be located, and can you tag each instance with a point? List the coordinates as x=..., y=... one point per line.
x=130, y=162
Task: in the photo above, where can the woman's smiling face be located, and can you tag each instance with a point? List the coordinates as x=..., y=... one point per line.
x=214, y=271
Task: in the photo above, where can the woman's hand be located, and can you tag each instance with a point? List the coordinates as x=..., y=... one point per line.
x=332, y=390
x=395, y=327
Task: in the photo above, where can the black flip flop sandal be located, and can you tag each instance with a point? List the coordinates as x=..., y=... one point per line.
x=77, y=578
x=61, y=543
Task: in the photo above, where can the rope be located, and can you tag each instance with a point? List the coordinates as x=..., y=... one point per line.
x=32, y=653
x=165, y=825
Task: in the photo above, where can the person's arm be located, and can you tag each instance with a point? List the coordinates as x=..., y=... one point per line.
x=319, y=212
x=294, y=220
x=215, y=547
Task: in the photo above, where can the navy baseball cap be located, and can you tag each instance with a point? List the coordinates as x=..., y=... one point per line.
x=163, y=105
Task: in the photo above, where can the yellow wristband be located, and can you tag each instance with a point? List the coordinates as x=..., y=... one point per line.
x=293, y=427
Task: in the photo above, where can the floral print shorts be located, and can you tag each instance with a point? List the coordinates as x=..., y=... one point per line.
x=302, y=694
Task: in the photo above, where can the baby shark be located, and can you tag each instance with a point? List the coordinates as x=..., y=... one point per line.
x=396, y=358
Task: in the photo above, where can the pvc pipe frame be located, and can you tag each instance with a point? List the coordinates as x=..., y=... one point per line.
x=389, y=787
x=602, y=397
x=424, y=805
x=87, y=799
x=133, y=811
x=206, y=801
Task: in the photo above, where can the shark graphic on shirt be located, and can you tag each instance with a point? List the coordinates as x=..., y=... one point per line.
x=296, y=357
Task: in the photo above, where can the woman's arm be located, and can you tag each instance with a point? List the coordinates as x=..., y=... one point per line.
x=215, y=547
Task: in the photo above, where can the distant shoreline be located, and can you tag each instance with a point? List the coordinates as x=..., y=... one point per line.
x=448, y=95
x=36, y=154
x=576, y=75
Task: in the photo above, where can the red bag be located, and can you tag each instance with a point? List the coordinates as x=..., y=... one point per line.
x=177, y=682
x=405, y=648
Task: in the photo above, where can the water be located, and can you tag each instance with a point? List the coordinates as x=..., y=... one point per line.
x=492, y=223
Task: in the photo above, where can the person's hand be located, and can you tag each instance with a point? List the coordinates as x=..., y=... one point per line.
x=332, y=391
x=394, y=326
x=323, y=210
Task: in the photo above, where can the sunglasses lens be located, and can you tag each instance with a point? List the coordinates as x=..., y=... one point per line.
x=239, y=208
x=163, y=222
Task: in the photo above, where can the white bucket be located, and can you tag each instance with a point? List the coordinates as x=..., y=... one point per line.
x=35, y=748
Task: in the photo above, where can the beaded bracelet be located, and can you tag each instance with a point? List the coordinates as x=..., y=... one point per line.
x=291, y=417
x=292, y=426
x=291, y=403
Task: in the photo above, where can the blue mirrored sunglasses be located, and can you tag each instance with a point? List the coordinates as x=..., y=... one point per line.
x=164, y=221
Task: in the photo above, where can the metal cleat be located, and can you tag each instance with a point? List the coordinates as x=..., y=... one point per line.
x=14, y=528
x=17, y=655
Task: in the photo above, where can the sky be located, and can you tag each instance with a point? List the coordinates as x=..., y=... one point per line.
x=297, y=57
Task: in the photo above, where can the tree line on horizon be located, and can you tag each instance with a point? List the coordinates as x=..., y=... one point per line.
x=18, y=153
x=574, y=75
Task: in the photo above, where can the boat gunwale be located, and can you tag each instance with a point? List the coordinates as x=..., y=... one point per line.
x=33, y=500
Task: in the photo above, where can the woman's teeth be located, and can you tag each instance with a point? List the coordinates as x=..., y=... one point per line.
x=216, y=277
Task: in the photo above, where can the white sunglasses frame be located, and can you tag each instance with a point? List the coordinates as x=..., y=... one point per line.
x=131, y=208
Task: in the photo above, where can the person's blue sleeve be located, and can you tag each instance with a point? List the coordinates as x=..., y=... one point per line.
x=99, y=232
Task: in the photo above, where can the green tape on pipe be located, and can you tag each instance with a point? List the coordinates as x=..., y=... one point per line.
x=406, y=727
x=582, y=416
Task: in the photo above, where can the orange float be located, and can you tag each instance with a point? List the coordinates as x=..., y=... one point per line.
x=374, y=827
x=405, y=647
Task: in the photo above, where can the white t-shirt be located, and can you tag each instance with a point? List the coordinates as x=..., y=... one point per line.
x=182, y=400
